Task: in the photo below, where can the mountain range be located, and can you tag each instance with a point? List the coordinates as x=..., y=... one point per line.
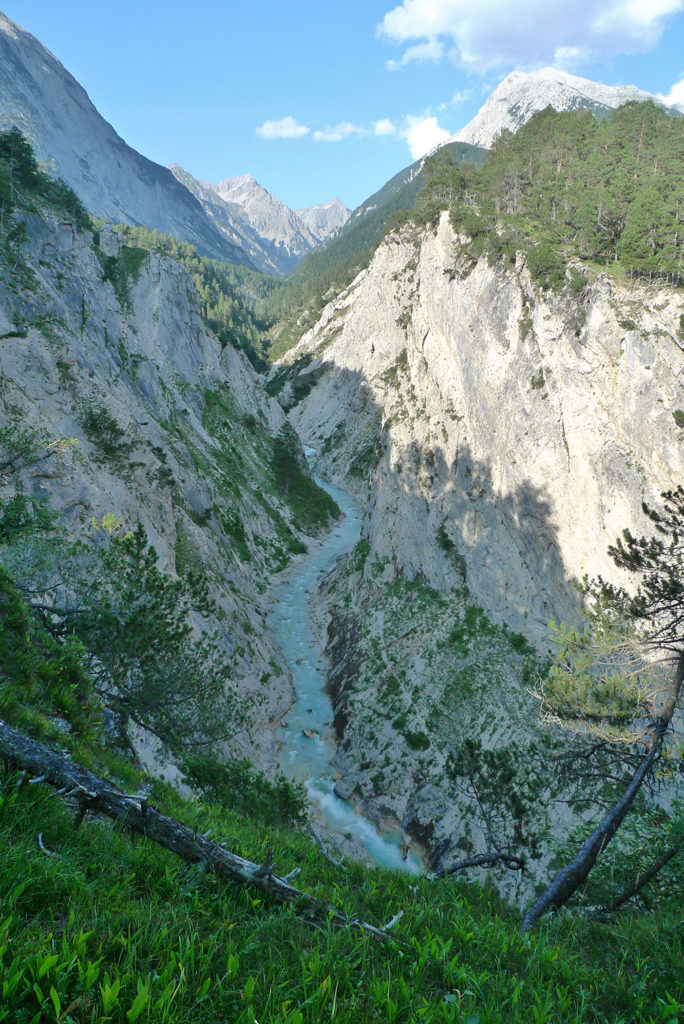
x=274, y=237
x=237, y=220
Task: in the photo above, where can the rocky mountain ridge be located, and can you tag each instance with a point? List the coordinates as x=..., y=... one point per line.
x=237, y=220
x=325, y=218
x=40, y=97
x=274, y=236
x=522, y=94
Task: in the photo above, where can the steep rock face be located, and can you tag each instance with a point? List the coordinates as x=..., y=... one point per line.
x=529, y=425
x=499, y=438
x=197, y=426
x=522, y=94
x=232, y=221
x=271, y=218
x=77, y=144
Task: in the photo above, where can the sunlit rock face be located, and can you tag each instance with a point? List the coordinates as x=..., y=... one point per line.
x=509, y=434
x=39, y=96
x=499, y=438
x=273, y=236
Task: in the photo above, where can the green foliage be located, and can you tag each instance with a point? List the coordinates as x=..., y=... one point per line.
x=678, y=415
x=597, y=683
x=507, y=786
x=123, y=269
x=537, y=381
x=238, y=786
x=444, y=540
x=22, y=183
x=41, y=679
x=235, y=529
x=546, y=266
x=300, y=384
x=367, y=457
x=104, y=432
x=359, y=556
x=438, y=186
x=568, y=185
x=110, y=627
x=147, y=663
x=312, y=507
x=224, y=307
x=110, y=929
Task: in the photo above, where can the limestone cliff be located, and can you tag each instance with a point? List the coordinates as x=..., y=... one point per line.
x=523, y=426
x=194, y=461
x=499, y=437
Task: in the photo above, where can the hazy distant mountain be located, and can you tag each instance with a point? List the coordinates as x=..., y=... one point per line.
x=295, y=233
x=323, y=220
x=521, y=95
x=76, y=143
x=274, y=236
x=232, y=222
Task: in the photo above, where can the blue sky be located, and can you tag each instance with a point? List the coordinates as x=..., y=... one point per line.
x=323, y=99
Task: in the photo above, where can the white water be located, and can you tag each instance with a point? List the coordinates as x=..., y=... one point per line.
x=307, y=758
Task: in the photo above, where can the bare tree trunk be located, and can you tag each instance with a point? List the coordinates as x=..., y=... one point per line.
x=482, y=860
x=134, y=813
x=569, y=879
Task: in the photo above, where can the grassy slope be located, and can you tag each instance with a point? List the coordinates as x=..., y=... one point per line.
x=111, y=926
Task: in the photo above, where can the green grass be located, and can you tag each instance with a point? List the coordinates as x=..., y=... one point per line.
x=115, y=930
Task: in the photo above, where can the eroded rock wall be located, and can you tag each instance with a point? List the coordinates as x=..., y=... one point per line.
x=524, y=427
x=193, y=463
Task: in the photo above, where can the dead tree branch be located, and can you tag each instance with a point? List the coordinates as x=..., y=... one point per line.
x=642, y=880
x=135, y=814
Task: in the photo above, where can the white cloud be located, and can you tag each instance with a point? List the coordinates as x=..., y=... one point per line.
x=570, y=57
x=338, y=132
x=423, y=134
x=457, y=100
x=494, y=32
x=285, y=128
x=421, y=52
x=675, y=97
x=383, y=127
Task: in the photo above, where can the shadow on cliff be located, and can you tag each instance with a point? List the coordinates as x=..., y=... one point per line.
x=440, y=516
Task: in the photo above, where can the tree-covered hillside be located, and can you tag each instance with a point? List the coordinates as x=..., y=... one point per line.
x=610, y=192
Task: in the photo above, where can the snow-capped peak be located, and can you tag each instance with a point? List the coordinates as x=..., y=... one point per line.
x=522, y=94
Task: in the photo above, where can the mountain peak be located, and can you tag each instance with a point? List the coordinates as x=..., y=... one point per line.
x=75, y=142
x=523, y=93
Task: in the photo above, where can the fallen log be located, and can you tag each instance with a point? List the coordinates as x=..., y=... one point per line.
x=134, y=813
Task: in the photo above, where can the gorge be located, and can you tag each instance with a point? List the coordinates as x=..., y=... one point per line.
x=299, y=517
